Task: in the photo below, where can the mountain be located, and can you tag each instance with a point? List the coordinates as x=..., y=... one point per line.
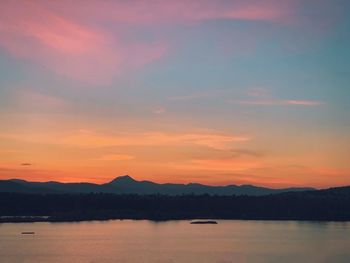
x=127, y=185
x=19, y=186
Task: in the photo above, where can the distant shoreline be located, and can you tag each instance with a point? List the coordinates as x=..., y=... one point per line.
x=15, y=220
x=320, y=205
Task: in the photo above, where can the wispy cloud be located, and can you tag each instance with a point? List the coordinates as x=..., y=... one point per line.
x=223, y=165
x=116, y=157
x=88, y=40
x=278, y=102
x=304, y=102
x=159, y=110
x=214, y=93
x=188, y=97
x=182, y=11
x=66, y=45
x=236, y=153
x=262, y=97
x=91, y=139
x=212, y=140
x=231, y=161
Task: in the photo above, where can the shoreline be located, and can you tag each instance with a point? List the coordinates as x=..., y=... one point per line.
x=40, y=219
x=303, y=206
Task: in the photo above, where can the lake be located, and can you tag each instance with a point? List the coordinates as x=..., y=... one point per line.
x=175, y=241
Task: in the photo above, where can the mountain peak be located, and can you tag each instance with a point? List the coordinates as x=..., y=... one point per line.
x=123, y=179
x=18, y=181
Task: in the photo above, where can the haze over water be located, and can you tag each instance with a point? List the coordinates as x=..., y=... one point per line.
x=176, y=241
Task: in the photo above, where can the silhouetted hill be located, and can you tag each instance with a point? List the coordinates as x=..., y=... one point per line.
x=329, y=192
x=125, y=179
x=128, y=185
x=20, y=186
x=343, y=190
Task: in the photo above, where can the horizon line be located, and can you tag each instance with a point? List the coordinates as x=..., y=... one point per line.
x=185, y=184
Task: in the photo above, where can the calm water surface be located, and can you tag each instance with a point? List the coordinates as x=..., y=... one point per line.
x=175, y=241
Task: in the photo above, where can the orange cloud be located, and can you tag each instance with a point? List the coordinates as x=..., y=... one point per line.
x=87, y=138
x=115, y=157
x=219, y=165
x=91, y=139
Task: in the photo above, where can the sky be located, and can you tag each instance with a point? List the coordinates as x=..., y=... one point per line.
x=209, y=91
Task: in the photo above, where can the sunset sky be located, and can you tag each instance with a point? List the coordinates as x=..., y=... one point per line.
x=208, y=91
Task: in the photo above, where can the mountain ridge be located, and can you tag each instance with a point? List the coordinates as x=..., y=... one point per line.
x=127, y=185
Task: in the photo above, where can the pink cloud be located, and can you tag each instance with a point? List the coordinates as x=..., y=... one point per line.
x=90, y=40
x=262, y=97
x=68, y=46
x=277, y=102
x=179, y=11
x=304, y=102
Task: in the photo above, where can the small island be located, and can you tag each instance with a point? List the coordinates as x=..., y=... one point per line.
x=210, y=222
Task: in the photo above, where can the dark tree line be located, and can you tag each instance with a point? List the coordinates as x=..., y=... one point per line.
x=313, y=205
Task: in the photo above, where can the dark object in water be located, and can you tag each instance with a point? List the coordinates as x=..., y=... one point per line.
x=28, y=233
x=204, y=222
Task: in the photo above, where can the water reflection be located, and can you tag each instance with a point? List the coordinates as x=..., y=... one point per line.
x=176, y=241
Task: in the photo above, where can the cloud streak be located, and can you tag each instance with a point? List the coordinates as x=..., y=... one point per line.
x=181, y=11
x=219, y=165
x=277, y=102
x=92, y=139
x=90, y=40
x=69, y=46
x=262, y=97
x=211, y=140
x=115, y=157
